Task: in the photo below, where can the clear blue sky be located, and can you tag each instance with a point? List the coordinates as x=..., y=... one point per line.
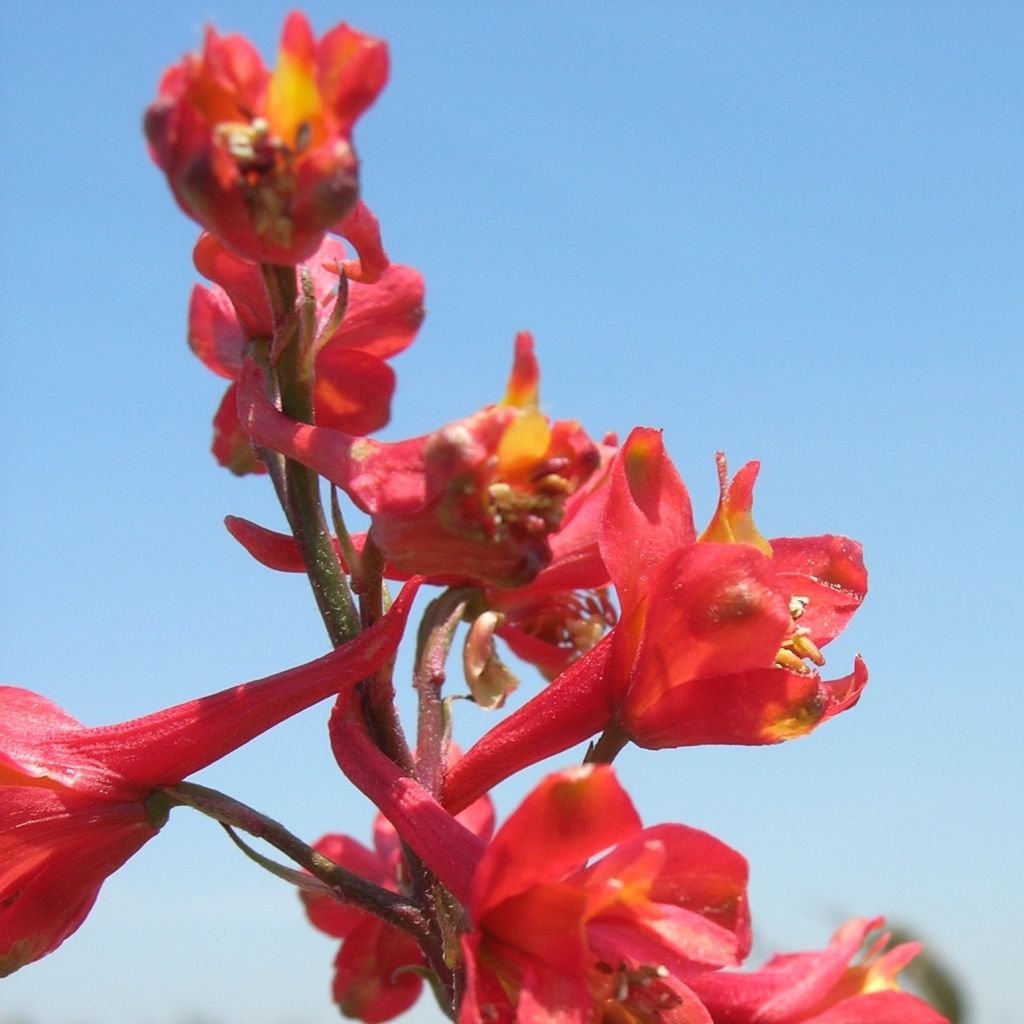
x=788, y=231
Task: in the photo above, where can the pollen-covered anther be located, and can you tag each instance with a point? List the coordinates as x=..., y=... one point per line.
x=535, y=513
x=552, y=483
x=796, y=650
x=251, y=145
x=583, y=634
x=637, y=995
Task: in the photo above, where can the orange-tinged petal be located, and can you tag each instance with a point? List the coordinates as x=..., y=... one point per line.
x=231, y=446
x=353, y=390
x=352, y=69
x=647, y=515
x=523, y=391
x=733, y=522
x=523, y=443
x=718, y=610
x=372, y=980
x=294, y=107
x=360, y=227
x=568, y=818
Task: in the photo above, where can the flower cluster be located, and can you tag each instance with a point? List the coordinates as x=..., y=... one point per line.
x=582, y=556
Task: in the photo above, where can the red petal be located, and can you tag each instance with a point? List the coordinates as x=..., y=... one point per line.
x=552, y=997
x=56, y=850
x=713, y=609
x=352, y=69
x=325, y=912
x=523, y=390
x=241, y=280
x=369, y=981
x=235, y=64
x=828, y=570
x=752, y=708
x=353, y=390
x=360, y=227
x=698, y=873
x=131, y=759
x=213, y=331
x=274, y=550
x=646, y=517
x=786, y=987
x=879, y=1008
x=542, y=927
x=485, y=997
x=231, y=446
x=565, y=820
x=383, y=318
x=549, y=658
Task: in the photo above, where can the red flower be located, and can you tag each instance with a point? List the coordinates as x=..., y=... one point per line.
x=372, y=981
x=555, y=939
x=820, y=987
x=710, y=646
x=264, y=159
x=352, y=384
x=714, y=646
x=77, y=802
x=475, y=501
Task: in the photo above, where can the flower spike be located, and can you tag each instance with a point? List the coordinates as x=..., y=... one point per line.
x=264, y=159
x=475, y=501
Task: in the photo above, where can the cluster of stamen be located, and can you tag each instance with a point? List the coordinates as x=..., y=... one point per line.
x=532, y=510
x=265, y=165
x=798, y=648
x=573, y=621
x=635, y=995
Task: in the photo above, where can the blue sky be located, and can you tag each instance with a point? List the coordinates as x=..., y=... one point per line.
x=792, y=232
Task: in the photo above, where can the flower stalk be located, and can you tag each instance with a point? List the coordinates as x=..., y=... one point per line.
x=346, y=885
x=304, y=508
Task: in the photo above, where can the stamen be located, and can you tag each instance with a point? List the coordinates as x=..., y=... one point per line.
x=798, y=648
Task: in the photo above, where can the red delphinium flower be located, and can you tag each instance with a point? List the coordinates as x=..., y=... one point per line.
x=352, y=386
x=372, y=979
x=707, y=648
x=820, y=987
x=553, y=939
x=549, y=623
x=714, y=635
x=475, y=501
x=264, y=159
x=77, y=802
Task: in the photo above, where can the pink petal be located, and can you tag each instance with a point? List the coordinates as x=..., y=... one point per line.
x=213, y=331
x=565, y=820
x=647, y=515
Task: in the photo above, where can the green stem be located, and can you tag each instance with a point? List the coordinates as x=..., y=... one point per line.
x=378, y=692
x=349, y=887
x=608, y=745
x=302, y=486
x=433, y=643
